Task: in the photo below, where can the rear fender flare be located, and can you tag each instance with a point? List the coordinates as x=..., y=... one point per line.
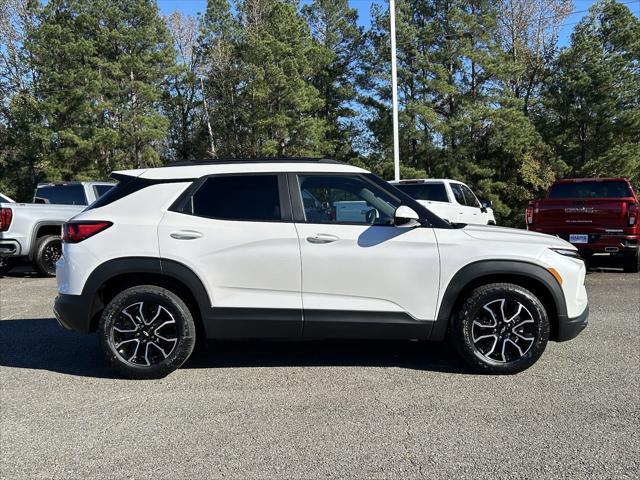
x=144, y=265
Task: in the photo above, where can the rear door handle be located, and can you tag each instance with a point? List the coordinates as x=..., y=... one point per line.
x=185, y=235
x=322, y=238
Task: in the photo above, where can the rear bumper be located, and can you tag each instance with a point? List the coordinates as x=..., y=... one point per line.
x=72, y=312
x=611, y=244
x=599, y=242
x=569, y=328
x=10, y=248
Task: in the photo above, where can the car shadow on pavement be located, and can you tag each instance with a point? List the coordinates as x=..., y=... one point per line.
x=41, y=344
x=428, y=356
x=604, y=263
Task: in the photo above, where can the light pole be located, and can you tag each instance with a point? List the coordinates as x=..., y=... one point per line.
x=394, y=91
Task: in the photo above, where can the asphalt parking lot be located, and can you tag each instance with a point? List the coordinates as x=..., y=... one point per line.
x=321, y=409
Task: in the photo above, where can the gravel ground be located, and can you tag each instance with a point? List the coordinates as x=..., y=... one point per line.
x=320, y=409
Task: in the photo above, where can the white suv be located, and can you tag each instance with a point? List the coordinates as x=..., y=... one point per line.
x=451, y=200
x=247, y=249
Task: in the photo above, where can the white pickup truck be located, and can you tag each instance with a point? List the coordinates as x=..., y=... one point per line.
x=451, y=200
x=31, y=231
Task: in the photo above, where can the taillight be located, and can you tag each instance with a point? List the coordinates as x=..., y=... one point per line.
x=74, y=232
x=528, y=216
x=5, y=219
x=633, y=211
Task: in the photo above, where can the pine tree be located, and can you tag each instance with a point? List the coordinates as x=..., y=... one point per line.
x=453, y=118
x=593, y=100
x=281, y=59
x=334, y=28
x=101, y=67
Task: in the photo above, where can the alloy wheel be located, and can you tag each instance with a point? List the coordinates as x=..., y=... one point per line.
x=144, y=334
x=503, y=330
x=51, y=254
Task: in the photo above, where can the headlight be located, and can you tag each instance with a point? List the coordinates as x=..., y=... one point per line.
x=568, y=253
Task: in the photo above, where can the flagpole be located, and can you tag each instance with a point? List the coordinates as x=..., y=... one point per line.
x=394, y=92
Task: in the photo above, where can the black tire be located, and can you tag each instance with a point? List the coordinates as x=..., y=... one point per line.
x=48, y=251
x=631, y=262
x=6, y=264
x=504, y=349
x=161, y=357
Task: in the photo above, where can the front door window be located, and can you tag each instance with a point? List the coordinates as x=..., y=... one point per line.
x=345, y=199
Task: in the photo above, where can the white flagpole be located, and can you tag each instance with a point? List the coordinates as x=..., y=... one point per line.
x=394, y=90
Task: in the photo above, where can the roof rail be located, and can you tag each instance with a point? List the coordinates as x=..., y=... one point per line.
x=219, y=161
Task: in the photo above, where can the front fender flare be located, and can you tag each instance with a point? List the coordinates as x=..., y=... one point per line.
x=494, y=268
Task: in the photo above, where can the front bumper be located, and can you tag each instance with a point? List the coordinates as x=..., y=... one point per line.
x=569, y=328
x=72, y=312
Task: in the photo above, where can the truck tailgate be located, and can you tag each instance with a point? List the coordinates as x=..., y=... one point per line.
x=601, y=213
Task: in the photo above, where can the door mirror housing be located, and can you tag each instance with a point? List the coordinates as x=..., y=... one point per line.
x=486, y=204
x=406, y=217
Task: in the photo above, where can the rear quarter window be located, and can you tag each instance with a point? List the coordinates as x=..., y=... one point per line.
x=435, y=192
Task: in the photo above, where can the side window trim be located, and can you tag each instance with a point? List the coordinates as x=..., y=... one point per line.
x=184, y=203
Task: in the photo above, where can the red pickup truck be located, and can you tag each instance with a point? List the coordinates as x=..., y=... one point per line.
x=594, y=214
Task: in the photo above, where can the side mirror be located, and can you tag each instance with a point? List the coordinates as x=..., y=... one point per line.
x=486, y=204
x=406, y=217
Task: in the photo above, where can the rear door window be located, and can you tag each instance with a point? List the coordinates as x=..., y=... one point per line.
x=435, y=192
x=238, y=197
x=61, y=195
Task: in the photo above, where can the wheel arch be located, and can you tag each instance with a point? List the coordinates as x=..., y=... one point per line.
x=534, y=278
x=116, y=275
x=41, y=229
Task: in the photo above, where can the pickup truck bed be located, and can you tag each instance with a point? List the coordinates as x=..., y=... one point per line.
x=596, y=215
x=31, y=231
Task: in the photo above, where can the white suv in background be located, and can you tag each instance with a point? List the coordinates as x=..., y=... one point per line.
x=451, y=200
x=248, y=249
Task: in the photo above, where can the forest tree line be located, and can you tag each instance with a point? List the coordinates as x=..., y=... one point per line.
x=486, y=95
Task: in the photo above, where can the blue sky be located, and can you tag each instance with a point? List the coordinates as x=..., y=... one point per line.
x=192, y=7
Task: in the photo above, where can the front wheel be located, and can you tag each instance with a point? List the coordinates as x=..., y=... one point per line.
x=146, y=332
x=501, y=328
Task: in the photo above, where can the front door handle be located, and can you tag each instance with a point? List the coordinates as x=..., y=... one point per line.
x=185, y=235
x=322, y=238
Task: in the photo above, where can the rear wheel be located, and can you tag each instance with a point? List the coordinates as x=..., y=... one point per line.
x=501, y=328
x=48, y=252
x=631, y=261
x=147, y=332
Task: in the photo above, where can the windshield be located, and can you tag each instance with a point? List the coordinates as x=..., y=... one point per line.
x=590, y=189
